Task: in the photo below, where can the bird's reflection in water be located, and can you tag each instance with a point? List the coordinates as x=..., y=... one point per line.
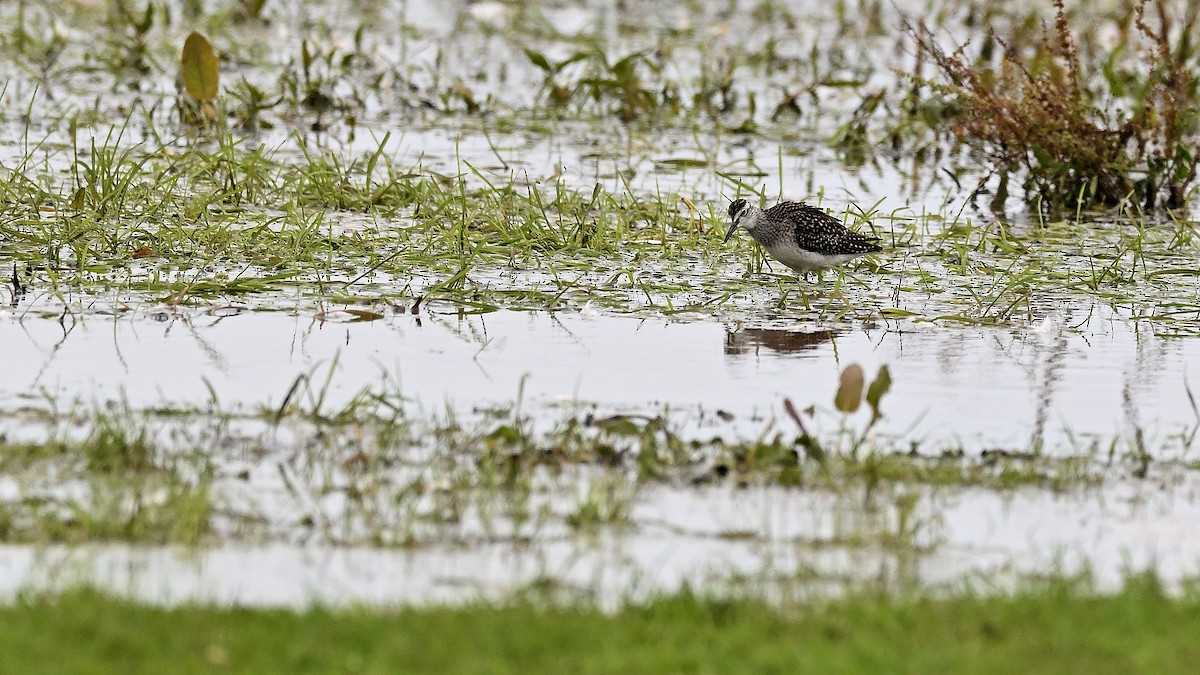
x=752, y=340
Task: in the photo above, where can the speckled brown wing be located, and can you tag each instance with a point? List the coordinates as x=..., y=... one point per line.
x=820, y=232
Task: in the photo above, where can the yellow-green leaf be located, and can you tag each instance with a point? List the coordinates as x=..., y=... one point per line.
x=875, y=392
x=850, y=391
x=201, y=74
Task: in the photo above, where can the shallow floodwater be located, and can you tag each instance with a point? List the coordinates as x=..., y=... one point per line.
x=778, y=539
x=1067, y=384
x=1057, y=385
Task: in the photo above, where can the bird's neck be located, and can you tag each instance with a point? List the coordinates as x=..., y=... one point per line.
x=760, y=227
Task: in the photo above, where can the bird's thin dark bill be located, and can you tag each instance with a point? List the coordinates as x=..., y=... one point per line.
x=732, y=229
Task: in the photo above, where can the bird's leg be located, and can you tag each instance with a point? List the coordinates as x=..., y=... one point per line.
x=807, y=284
x=802, y=286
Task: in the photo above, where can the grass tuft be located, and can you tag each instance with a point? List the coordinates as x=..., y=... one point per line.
x=1083, y=135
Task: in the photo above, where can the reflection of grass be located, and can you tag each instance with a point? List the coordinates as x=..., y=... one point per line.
x=1055, y=626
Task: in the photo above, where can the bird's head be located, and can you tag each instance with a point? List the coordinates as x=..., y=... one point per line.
x=740, y=213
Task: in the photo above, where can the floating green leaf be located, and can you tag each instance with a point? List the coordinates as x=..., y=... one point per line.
x=201, y=74
x=895, y=312
x=680, y=163
x=850, y=391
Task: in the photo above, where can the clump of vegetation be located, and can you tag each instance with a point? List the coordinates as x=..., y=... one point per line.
x=1118, y=131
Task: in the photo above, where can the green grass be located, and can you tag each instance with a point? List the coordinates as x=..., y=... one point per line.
x=101, y=194
x=304, y=228
x=1057, y=627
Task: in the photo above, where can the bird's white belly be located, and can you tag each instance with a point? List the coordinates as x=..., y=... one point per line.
x=806, y=261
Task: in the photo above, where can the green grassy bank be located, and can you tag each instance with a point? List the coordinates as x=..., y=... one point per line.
x=1057, y=627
